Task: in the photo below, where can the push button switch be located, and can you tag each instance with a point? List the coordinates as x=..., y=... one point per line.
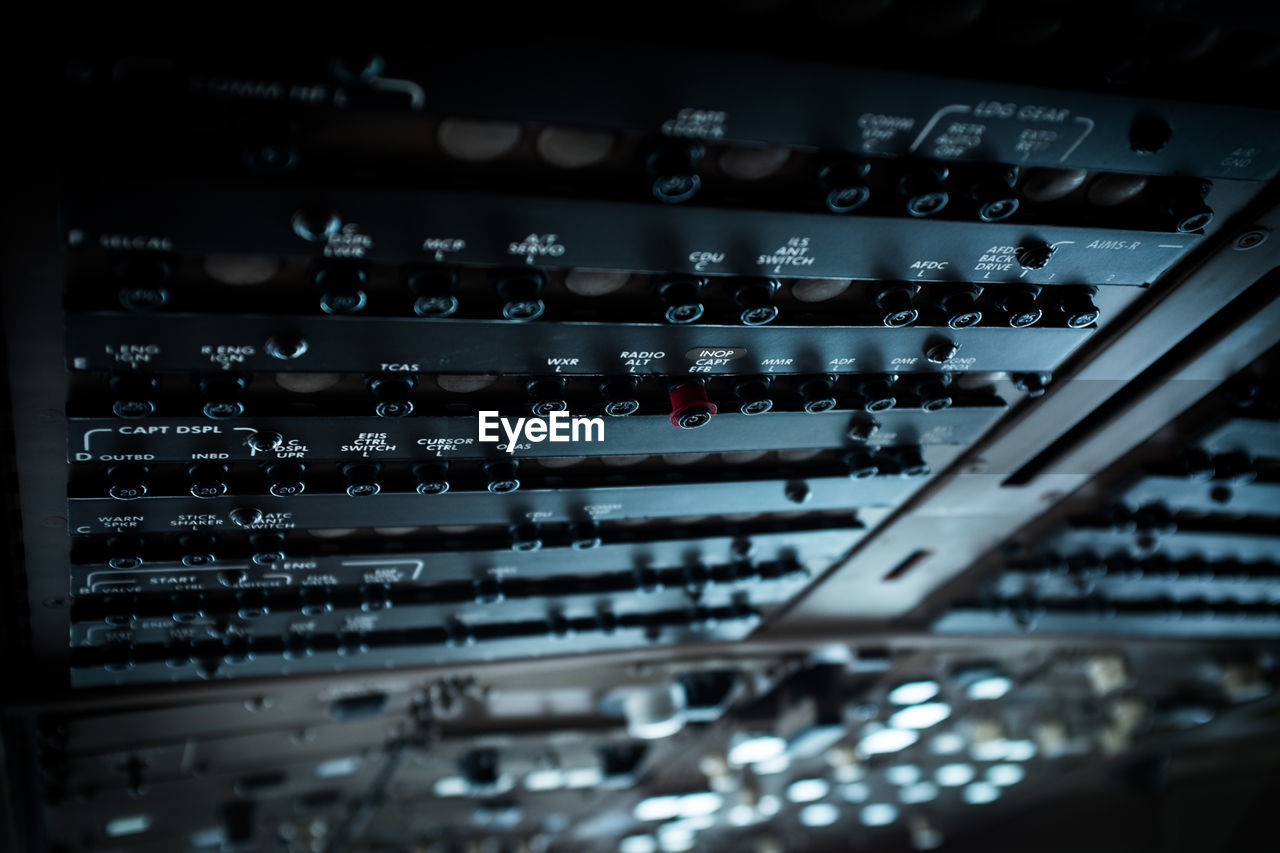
x=286, y=479
x=754, y=296
x=894, y=303
x=392, y=394
x=843, y=179
x=547, y=395
x=753, y=395
x=818, y=395
x=520, y=291
x=502, y=476
x=690, y=406
x=342, y=288
x=672, y=167
x=124, y=552
x=620, y=396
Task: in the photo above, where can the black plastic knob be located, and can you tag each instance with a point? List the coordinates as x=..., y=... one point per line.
x=619, y=396
x=921, y=186
x=1031, y=384
x=991, y=190
x=547, y=395
x=910, y=462
x=1034, y=255
x=932, y=389
x=862, y=428
x=502, y=476
x=245, y=516
x=1076, y=305
x=754, y=296
x=286, y=479
x=673, y=169
x=753, y=395
x=843, y=180
x=187, y=606
x=393, y=393
x=127, y=482
x=525, y=537
x=143, y=281
x=208, y=480
x=520, y=291
x=124, y=552
x=584, y=535
x=223, y=390
x=287, y=346
x=1149, y=134
x=894, y=303
x=1185, y=207
x=314, y=600
x=362, y=478
x=1019, y=304
x=375, y=597
x=197, y=550
x=135, y=395
x=433, y=290
x=860, y=464
x=681, y=296
x=877, y=393
x=268, y=548
x=264, y=441
x=316, y=223
x=432, y=477
x=818, y=395
x=342, y=288
x=961, y=307
x=488, y=590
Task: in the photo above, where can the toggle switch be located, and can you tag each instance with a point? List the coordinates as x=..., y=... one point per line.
x=817, y=394
x=525, y=537
x=208, y=480
x=690, y=406
x=134, y=393
x=843, y=179
x=860, y=464
x=432, y=477
x=124, y=552
x=681, y=295
x=672, y=165
x=991, y=189
x=222, y=391
x=433, y=291
x=894, y=302
x=754, y=296
x=127, y=482
x=921, y=186
x=342, y=288
x=142, y=282
x=1019, y=303
x=877, y=393
x=268, y=548
x=520, y=291
x=753, y=395
x=286, y=479
x=197, y=550
x=547, y=394
x=931, y=388
x=362, y=478
x=960, y=304
x=502, y=476
x=619, y=396
x=392, y=393
x=1076, y=305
